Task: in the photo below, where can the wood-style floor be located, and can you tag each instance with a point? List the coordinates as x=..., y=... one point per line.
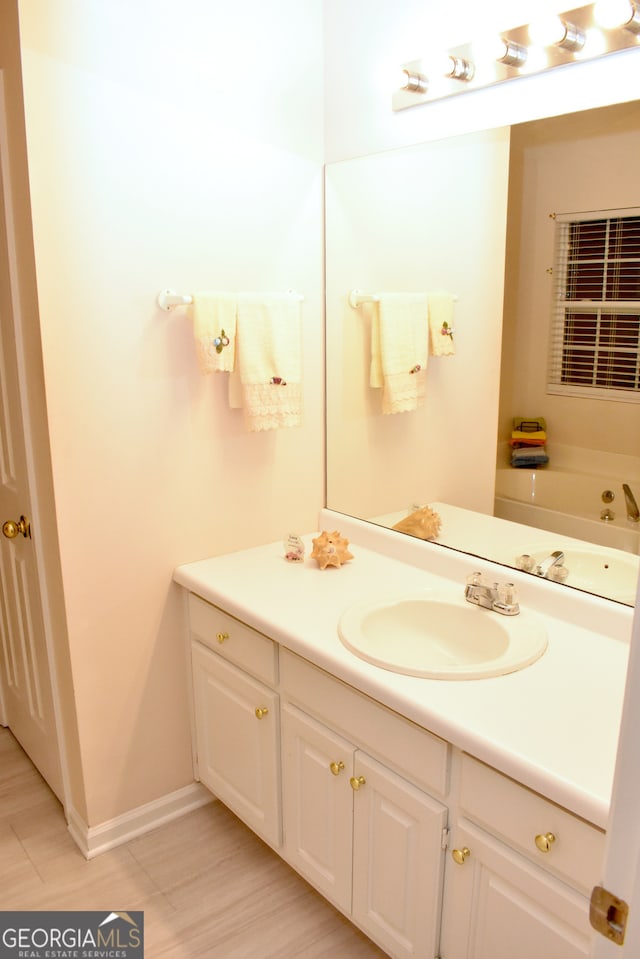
x=207, y=885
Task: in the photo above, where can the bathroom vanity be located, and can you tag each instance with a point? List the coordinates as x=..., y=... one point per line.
x=455, y=818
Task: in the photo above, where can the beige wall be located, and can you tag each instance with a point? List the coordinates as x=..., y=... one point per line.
x=578, y=163
x=168, y=146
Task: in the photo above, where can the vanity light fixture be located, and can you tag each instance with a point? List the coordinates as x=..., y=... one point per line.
x=578, y=35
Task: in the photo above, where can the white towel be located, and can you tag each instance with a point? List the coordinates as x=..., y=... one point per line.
x=267, y=382
x=214, y=330
x=441, y=323
x=399, y=350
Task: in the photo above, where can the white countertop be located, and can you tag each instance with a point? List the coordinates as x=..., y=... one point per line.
x=552, y=726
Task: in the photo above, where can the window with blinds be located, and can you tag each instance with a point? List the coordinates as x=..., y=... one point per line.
x=595, y=324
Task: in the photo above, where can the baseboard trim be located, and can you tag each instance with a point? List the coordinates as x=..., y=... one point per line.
x=94, y=840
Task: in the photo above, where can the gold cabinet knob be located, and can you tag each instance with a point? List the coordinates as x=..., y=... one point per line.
x=336, y=768
x=222, y=637
x=459, y=855
x=545, y=842
x=11, y=529
x=357, y=783
x=261, y=712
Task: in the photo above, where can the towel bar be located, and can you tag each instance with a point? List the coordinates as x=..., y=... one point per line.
x=168, y=299
x=357, y=298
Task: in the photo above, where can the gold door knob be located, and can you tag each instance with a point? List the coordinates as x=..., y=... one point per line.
x=356, y=783
x=459, y=855
x=261, y=712
x=11, y=529
x=222, y=637
x=545, y=842
x=336, y=768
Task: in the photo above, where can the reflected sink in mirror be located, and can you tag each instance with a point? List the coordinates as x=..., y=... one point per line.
x=436, y=634
x=606, y=573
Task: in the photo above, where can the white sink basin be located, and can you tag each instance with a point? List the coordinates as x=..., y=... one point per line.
x=438, y=635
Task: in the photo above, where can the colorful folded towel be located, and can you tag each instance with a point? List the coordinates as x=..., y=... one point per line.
x=522, y=438
x=529, y=457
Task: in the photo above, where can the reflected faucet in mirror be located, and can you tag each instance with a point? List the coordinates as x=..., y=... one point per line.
x=633, y=513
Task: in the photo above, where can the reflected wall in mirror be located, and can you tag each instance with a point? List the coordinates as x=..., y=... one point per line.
x=473, y=216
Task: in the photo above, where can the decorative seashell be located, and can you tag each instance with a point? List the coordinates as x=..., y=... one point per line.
x=330, y=549
x=425, y=523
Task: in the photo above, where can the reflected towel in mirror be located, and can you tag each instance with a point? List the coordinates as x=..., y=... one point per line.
x=399, y=350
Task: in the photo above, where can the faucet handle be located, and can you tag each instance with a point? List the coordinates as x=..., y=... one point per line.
x=508, y=594
x=474, y=579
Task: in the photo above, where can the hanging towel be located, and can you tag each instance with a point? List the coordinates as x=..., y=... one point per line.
x=399, y=350
x=441, y=323
x=267, y=382
x=214, y=330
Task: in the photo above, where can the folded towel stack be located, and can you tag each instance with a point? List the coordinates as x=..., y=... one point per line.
x=528, y=439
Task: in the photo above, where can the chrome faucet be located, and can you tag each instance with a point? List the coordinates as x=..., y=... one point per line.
x=499, y=598
x=633, y=513
x=555, y=559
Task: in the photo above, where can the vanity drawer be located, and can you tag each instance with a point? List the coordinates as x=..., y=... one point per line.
x=519, y=816
x=232, y=640
x=397, y=742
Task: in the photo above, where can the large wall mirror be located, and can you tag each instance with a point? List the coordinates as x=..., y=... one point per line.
x=476, y=216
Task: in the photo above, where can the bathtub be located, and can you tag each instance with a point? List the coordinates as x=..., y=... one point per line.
x=567, y=503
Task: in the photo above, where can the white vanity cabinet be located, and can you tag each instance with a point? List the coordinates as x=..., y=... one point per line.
x=429, y=851
x=520, y=873
x=366, y=837
x=236, y=717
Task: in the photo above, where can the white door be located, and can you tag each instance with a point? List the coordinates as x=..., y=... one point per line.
x=622, y=859
x=26, y=700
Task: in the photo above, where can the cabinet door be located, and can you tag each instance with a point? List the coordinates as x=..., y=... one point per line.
x=317, y=804
x=237, y=741
x=498, y=905
x=398, y=861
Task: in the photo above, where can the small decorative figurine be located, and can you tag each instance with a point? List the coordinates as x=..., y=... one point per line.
x=424, y=523
x=330, y=549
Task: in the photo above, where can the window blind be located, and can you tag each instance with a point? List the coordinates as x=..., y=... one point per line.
x=595, y=322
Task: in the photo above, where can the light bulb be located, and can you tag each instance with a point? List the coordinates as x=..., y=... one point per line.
x=612, y=13
x=551, y=30
x=547, y=30
x=617, y=14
